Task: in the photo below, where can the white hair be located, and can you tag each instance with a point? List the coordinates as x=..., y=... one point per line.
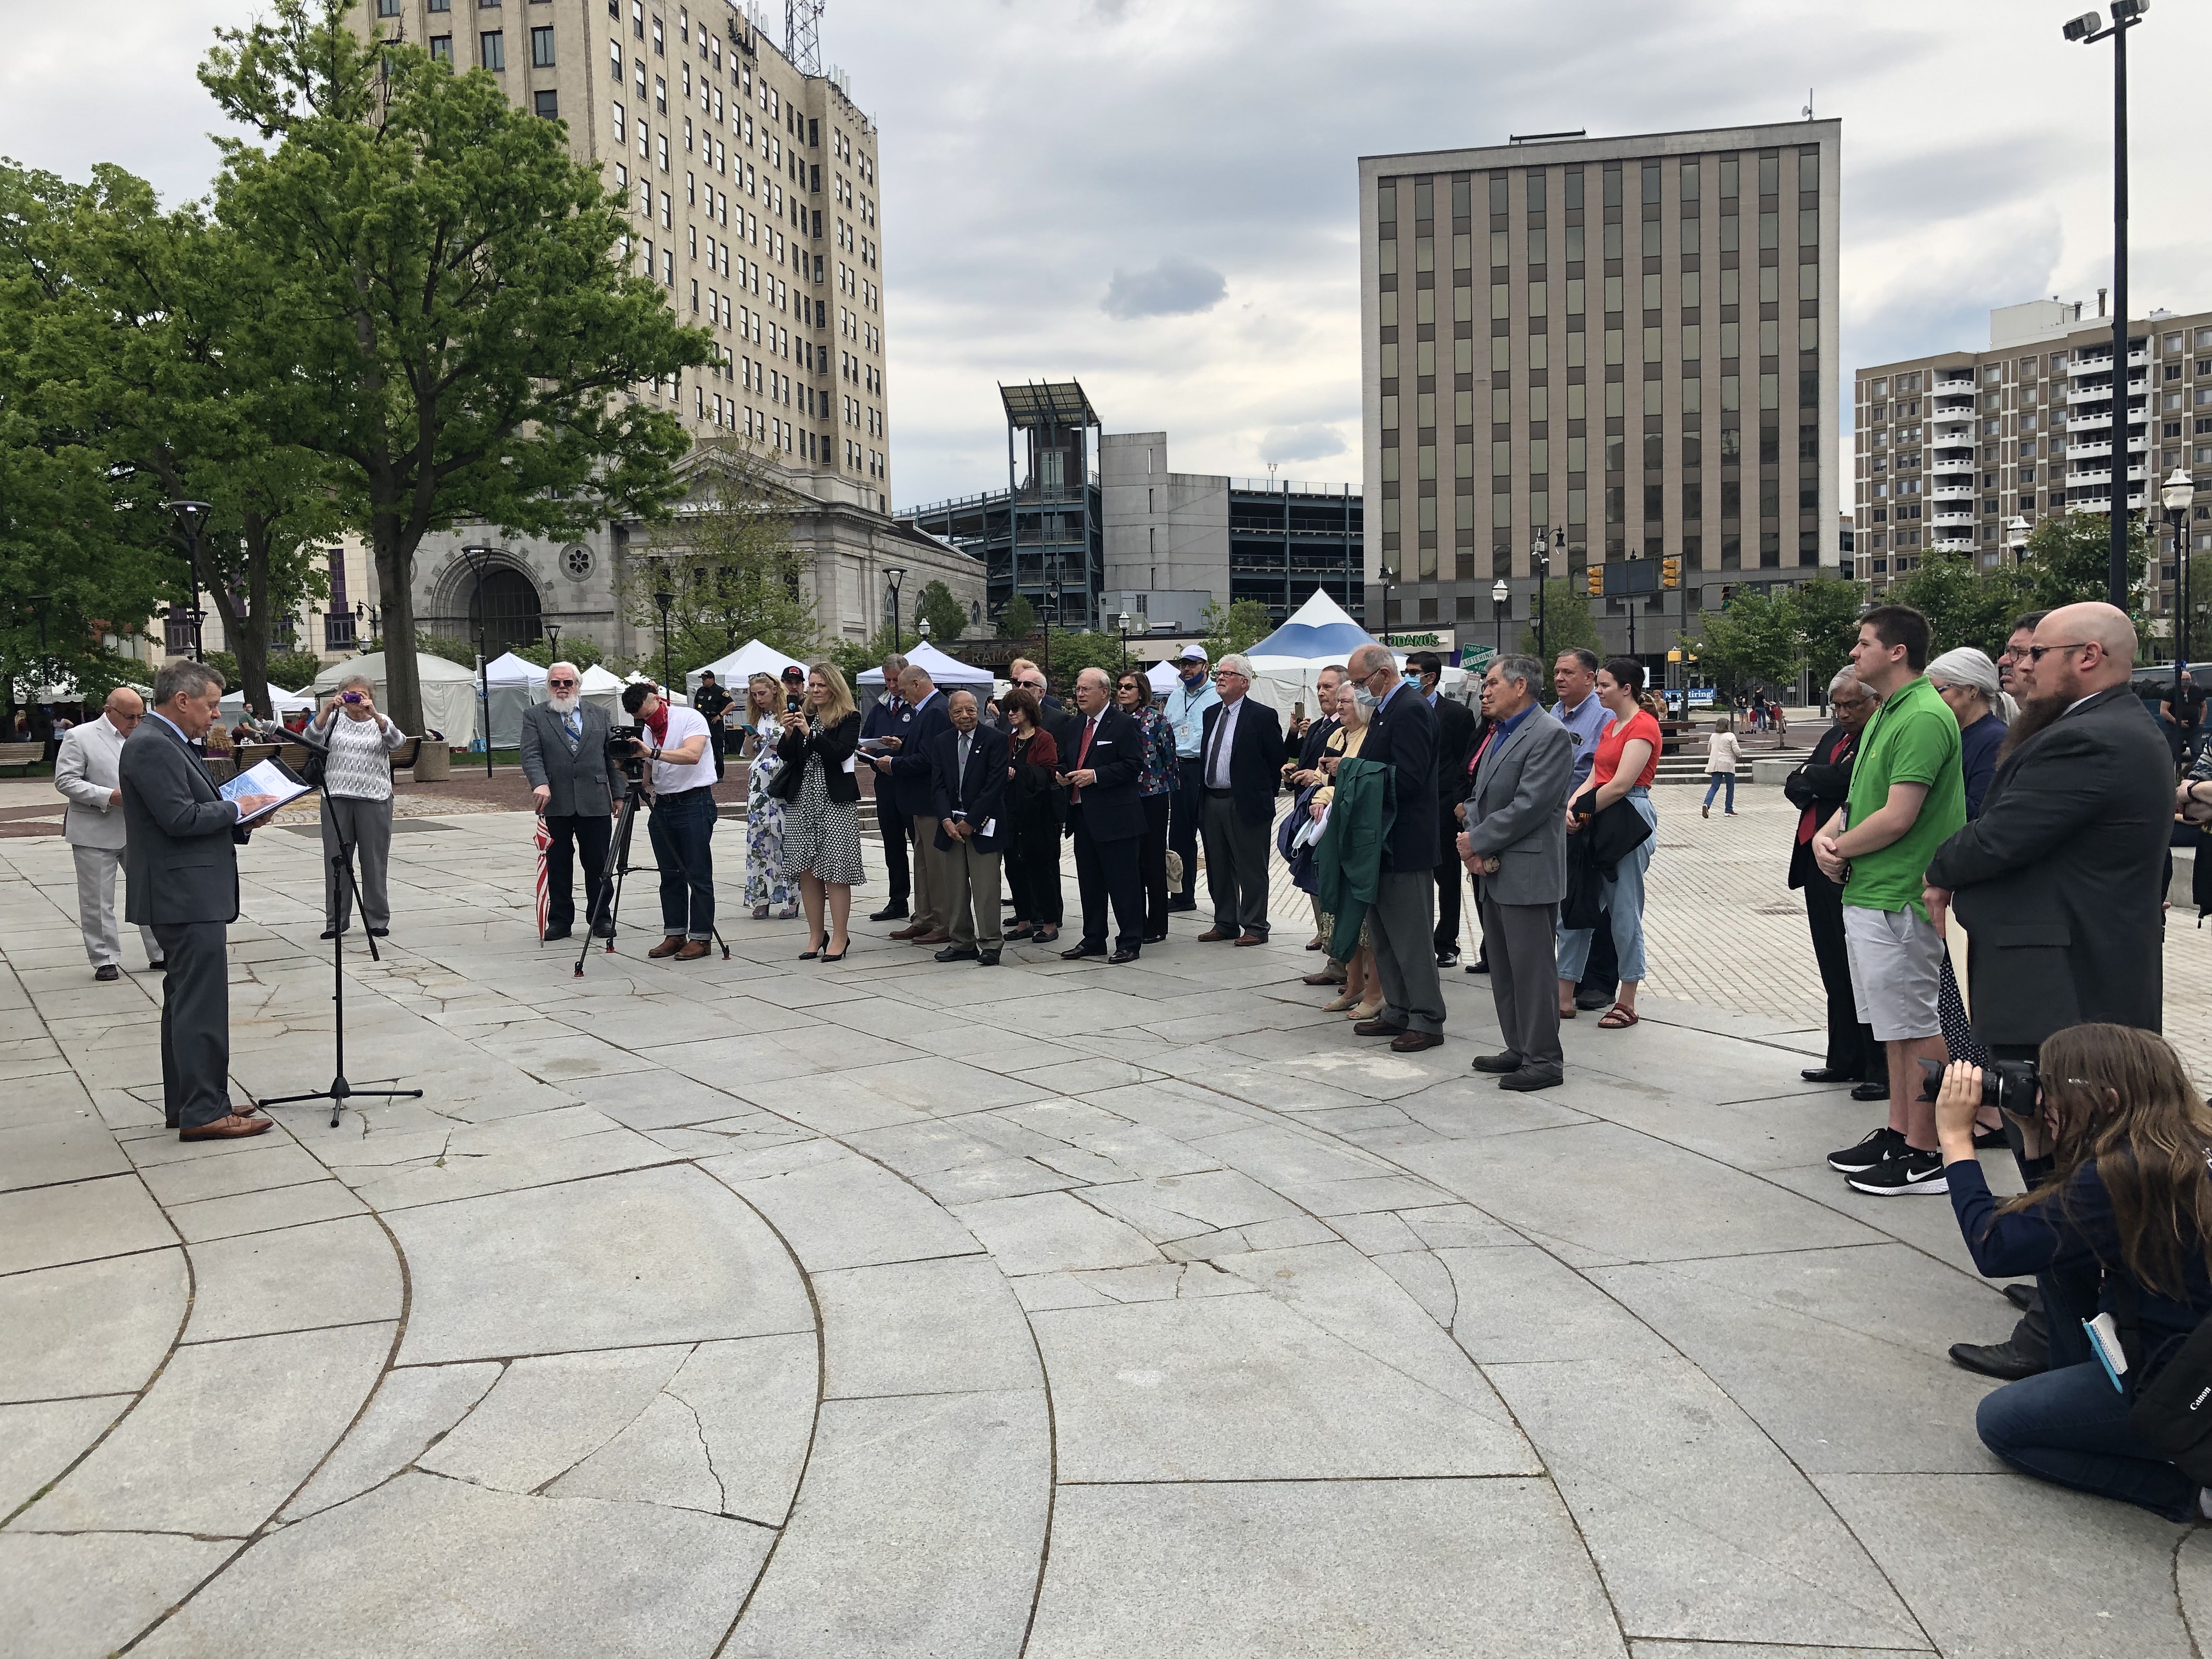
x=1966, y=666
x=1236, y=662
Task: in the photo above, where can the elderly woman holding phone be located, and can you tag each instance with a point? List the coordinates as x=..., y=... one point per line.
x=357, y=744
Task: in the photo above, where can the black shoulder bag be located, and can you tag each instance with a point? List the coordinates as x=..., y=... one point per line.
x=2171, y=1407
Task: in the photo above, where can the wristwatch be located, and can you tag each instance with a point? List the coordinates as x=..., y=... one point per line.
x=656, y=754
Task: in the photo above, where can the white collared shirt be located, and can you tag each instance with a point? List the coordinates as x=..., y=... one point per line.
x=1219, y=745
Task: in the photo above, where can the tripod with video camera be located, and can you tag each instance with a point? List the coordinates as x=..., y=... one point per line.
x=626, y=750
x=340, y=1090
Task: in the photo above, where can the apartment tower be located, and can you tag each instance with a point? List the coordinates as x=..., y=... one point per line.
x=754, y=196
x=1625, y=346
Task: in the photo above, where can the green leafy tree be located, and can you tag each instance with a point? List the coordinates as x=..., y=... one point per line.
x=1754, y=641
x=855, y=657
x=1017, y=620
x=582, y=651
x=450, y=292
x=82, y=560
x=291, y=669
x=1240, y=627
x=2068, y=554
x=728, y=560
x=463, y=652
x=1826, y=612
x=1964, y=604
x=946, y=615
x=1068, y=655
x=1567, y=622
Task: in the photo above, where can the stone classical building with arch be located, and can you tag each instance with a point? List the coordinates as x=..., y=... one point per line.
x=530, y=582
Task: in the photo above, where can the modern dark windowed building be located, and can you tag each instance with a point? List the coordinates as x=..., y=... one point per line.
x=1627, y=345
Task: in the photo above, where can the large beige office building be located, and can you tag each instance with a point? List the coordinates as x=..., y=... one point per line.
x=1963, y=451
x=1628, y=345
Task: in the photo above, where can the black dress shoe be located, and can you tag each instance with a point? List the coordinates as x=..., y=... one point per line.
x=1127, y=953
x=1480, y=965
x=161, y=967
x=987, y=958
x=380, y=932
x=1591, y=1002
x=1447, y=958
x=957, y=953
x=330, y=933
x=553, y=933
x=1828, y=1074
x=1160, y=938
x=107, y=971
x=1989, y=1140
x=895, y=911
x=1871, y=1091
x=1183, y=904
x=1530, y=1078
x=2022, y=1296
x=604, y=927
x=2002, y=1360
x=1086, y=948
x=1504, y=1065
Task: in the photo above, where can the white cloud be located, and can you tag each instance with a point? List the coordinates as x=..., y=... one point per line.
x=1032, y=151
x=1176, y=287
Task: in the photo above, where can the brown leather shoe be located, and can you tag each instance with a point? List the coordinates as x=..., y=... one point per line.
x=667, y=947
x=935, y=936
x=1325, y=977
x=912, y=930
x=1377, y=1028
x=1413, y=1042
x=226, y=1129
x=1212, y=934
x=1253, y=939
x=692, y=951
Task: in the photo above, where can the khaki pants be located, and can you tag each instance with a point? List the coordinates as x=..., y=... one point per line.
x=931, y=879
x=95, y=907
x=972, y=896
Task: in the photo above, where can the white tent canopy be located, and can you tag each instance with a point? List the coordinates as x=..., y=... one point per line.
x=280, y=703
x=1286, y=664
x=510, y=670
x=942, y=670
x=1164, y=678
x=602, y=691
x=511, y=685
x=741, y=664
x=449, y=691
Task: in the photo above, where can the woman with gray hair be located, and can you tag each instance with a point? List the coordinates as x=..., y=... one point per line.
x=357, y=743
x=1966, y=680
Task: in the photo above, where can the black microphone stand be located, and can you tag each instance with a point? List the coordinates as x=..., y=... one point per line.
x=340, y=1090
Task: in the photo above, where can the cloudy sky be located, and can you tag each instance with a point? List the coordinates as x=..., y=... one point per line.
x=1157, y=196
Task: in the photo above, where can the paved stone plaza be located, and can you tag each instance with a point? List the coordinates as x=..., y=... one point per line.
x=770, y=1310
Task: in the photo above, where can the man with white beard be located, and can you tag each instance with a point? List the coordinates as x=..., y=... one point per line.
x=575, y=785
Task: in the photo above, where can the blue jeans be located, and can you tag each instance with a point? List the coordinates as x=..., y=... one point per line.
x=682, y=828
x=1624, y=905
x=1714, y=781
x=2070, y=1425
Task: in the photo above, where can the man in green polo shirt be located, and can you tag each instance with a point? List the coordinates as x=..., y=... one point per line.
x=1908, y=796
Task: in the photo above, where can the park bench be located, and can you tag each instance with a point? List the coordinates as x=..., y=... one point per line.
x=22, y=756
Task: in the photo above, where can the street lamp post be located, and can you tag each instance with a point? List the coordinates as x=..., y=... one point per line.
x=477, y=558
x=1635, y=555
x=553, y=640
x=1539, y=562
x=191, y=515
x=894, y=574
x=2087, y=29
x=665, y=599
x=2016, y=537
x=2178, y=493
x=1501, y=599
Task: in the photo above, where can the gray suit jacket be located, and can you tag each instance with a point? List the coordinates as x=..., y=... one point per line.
x=86, y=771
x=181, y=862
x=585, y=784
x=1518, y=812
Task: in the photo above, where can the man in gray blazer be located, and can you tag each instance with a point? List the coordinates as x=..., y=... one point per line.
x=85, y=771
x=576, y=787
x=182, y=865
x=1516, y=841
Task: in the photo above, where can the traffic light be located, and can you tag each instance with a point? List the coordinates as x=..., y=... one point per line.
x=1596, y=578
x=1670, y=572
x=1728, y=593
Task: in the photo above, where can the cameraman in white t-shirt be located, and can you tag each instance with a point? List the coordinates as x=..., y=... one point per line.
x=681, y=782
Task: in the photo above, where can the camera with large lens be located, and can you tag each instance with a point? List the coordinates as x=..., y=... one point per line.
x=2011, y=1085
x=622, y=747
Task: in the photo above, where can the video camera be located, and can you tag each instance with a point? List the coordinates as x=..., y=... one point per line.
x=625, y=750
x=2011, y=1085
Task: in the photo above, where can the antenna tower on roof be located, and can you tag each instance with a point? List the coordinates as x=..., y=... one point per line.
x=802, y=34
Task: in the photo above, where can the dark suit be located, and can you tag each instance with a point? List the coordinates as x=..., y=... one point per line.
x=2059, y=881
x=1402, y=735
x=1455, y=724
x=1315, y=744
x=975, y=794
x=585, y=784
x=1821, y=785
x=1107, y=821
x=882, y=722
x=1234, y=822
x=181, y=865
x=916, y=727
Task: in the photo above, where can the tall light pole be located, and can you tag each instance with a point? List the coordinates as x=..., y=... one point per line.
x=553, y=641
x=894, y=575
x=1635, y=556
x=665, y=599
x=1540, y=565
x=2089, y=28
x=191, y=515
x=1501, y=598
x=478, y=557
x=2179, y=491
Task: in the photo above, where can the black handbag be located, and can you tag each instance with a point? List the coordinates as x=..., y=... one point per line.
x=2171, y=1411
x=1611, y=834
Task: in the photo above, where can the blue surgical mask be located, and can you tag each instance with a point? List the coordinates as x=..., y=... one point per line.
x=1366, y=699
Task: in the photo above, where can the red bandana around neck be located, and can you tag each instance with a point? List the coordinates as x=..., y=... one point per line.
x=657, y=723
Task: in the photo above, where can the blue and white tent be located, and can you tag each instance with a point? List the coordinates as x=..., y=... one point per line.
x=1319, y=633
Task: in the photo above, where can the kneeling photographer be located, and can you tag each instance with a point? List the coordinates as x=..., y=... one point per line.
x=681, y=783
x=2119, y=1234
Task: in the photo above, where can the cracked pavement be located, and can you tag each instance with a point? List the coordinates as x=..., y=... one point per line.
x=757, y=1307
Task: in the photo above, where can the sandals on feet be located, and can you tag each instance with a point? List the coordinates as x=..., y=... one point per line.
x=1619, y=1018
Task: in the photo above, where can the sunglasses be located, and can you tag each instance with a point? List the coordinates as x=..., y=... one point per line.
x=562, y=684
x=2038, y=653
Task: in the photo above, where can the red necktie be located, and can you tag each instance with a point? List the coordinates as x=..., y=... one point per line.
x=1090, y=727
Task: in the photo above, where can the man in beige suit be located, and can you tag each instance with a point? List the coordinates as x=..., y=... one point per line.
x=85, y=771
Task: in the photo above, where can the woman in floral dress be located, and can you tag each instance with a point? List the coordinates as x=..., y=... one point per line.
x=766, y=882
